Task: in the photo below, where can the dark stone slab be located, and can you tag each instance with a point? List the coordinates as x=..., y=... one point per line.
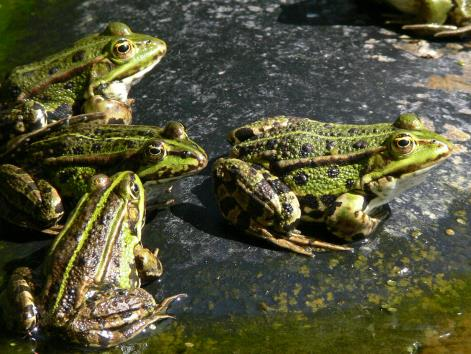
x=230, y=63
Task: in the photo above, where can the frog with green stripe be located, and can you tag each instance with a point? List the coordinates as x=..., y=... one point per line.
x=284, y=170
x=92, y=274
x=95, y=74
x=46, y=171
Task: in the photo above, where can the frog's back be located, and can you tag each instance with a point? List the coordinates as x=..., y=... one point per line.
x=287, y=138
x=31, y=79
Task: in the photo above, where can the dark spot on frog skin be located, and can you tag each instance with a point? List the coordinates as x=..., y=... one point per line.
x=78, y=56
x=116, y=121
x=331, y=208
x=329, y=144
x=59, y=208
x=309, y=201
x=53, y=70
x=287, y=208
x=349, y=183
x=243, y=220
x=360, y=144
x=14, y=90
x=227, y=205
x=62, y=111
x=333, y=171
x=271, y=144
x=306, y=149
x=328, y=126
x=69, y=85
x=300, y=179
x=255, y=208
x=279, y=186
x=353, y=131
x=95, y=147
x=328, y=199
x=37, y=106
x=78, y=150
x=243, y=134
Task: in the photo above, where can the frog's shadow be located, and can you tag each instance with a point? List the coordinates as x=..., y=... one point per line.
x=208, y=219
x=329, y=13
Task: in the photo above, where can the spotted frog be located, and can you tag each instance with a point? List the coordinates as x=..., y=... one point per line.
x=92, y=274
x=42, y=169
x=94, y=75
x=282, y=170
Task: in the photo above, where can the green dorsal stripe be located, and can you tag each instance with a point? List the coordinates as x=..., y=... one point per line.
x=84, y=237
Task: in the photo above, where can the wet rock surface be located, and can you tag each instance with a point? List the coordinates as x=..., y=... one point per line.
x=232, y=62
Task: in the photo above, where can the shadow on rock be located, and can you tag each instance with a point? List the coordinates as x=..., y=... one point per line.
x=328, y=13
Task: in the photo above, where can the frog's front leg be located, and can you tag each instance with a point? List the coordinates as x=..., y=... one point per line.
x=348, y=216
x=148, y=263
x=20, y=310
x=115, y=316
x=256, y=201
x=116, y=112
x=27, y=202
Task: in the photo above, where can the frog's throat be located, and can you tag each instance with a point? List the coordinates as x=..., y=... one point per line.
x=120, y=88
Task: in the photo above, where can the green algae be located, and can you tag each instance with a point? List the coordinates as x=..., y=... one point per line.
x=414, y=322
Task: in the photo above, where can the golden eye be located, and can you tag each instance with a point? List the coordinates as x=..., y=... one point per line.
x=123, y=49
x=134, y=190
x=156, y=150
x=99, y=182
x=403, y=144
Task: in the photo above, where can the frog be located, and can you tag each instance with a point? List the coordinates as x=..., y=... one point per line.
x=46, y=171
x=438, y=18
x=94, y=74
x=89, y=289
x=286, y=171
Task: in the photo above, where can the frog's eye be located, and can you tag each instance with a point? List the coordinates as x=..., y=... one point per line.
x=123, y=49
x=174, y=130
x=403, y=144
x=134, y=190
x=99, y=182
x=156, y=150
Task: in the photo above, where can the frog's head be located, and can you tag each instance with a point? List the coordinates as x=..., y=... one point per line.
x=409, y=152
x=130, y=56
x=171, y=156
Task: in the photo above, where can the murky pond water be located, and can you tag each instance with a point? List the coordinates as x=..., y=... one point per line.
x=406, y=289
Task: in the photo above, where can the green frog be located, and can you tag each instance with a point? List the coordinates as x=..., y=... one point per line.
x=440, y=18
x=94, y=75
x=43, y=168
x=92, y=273
x=285, y=169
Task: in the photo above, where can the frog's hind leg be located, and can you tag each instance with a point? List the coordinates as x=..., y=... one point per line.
x=27, y=202
x=20, y=311
x=458, y=31
x=294, y=241
x=259, y=203
x=115, y=316
x=432, y=29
